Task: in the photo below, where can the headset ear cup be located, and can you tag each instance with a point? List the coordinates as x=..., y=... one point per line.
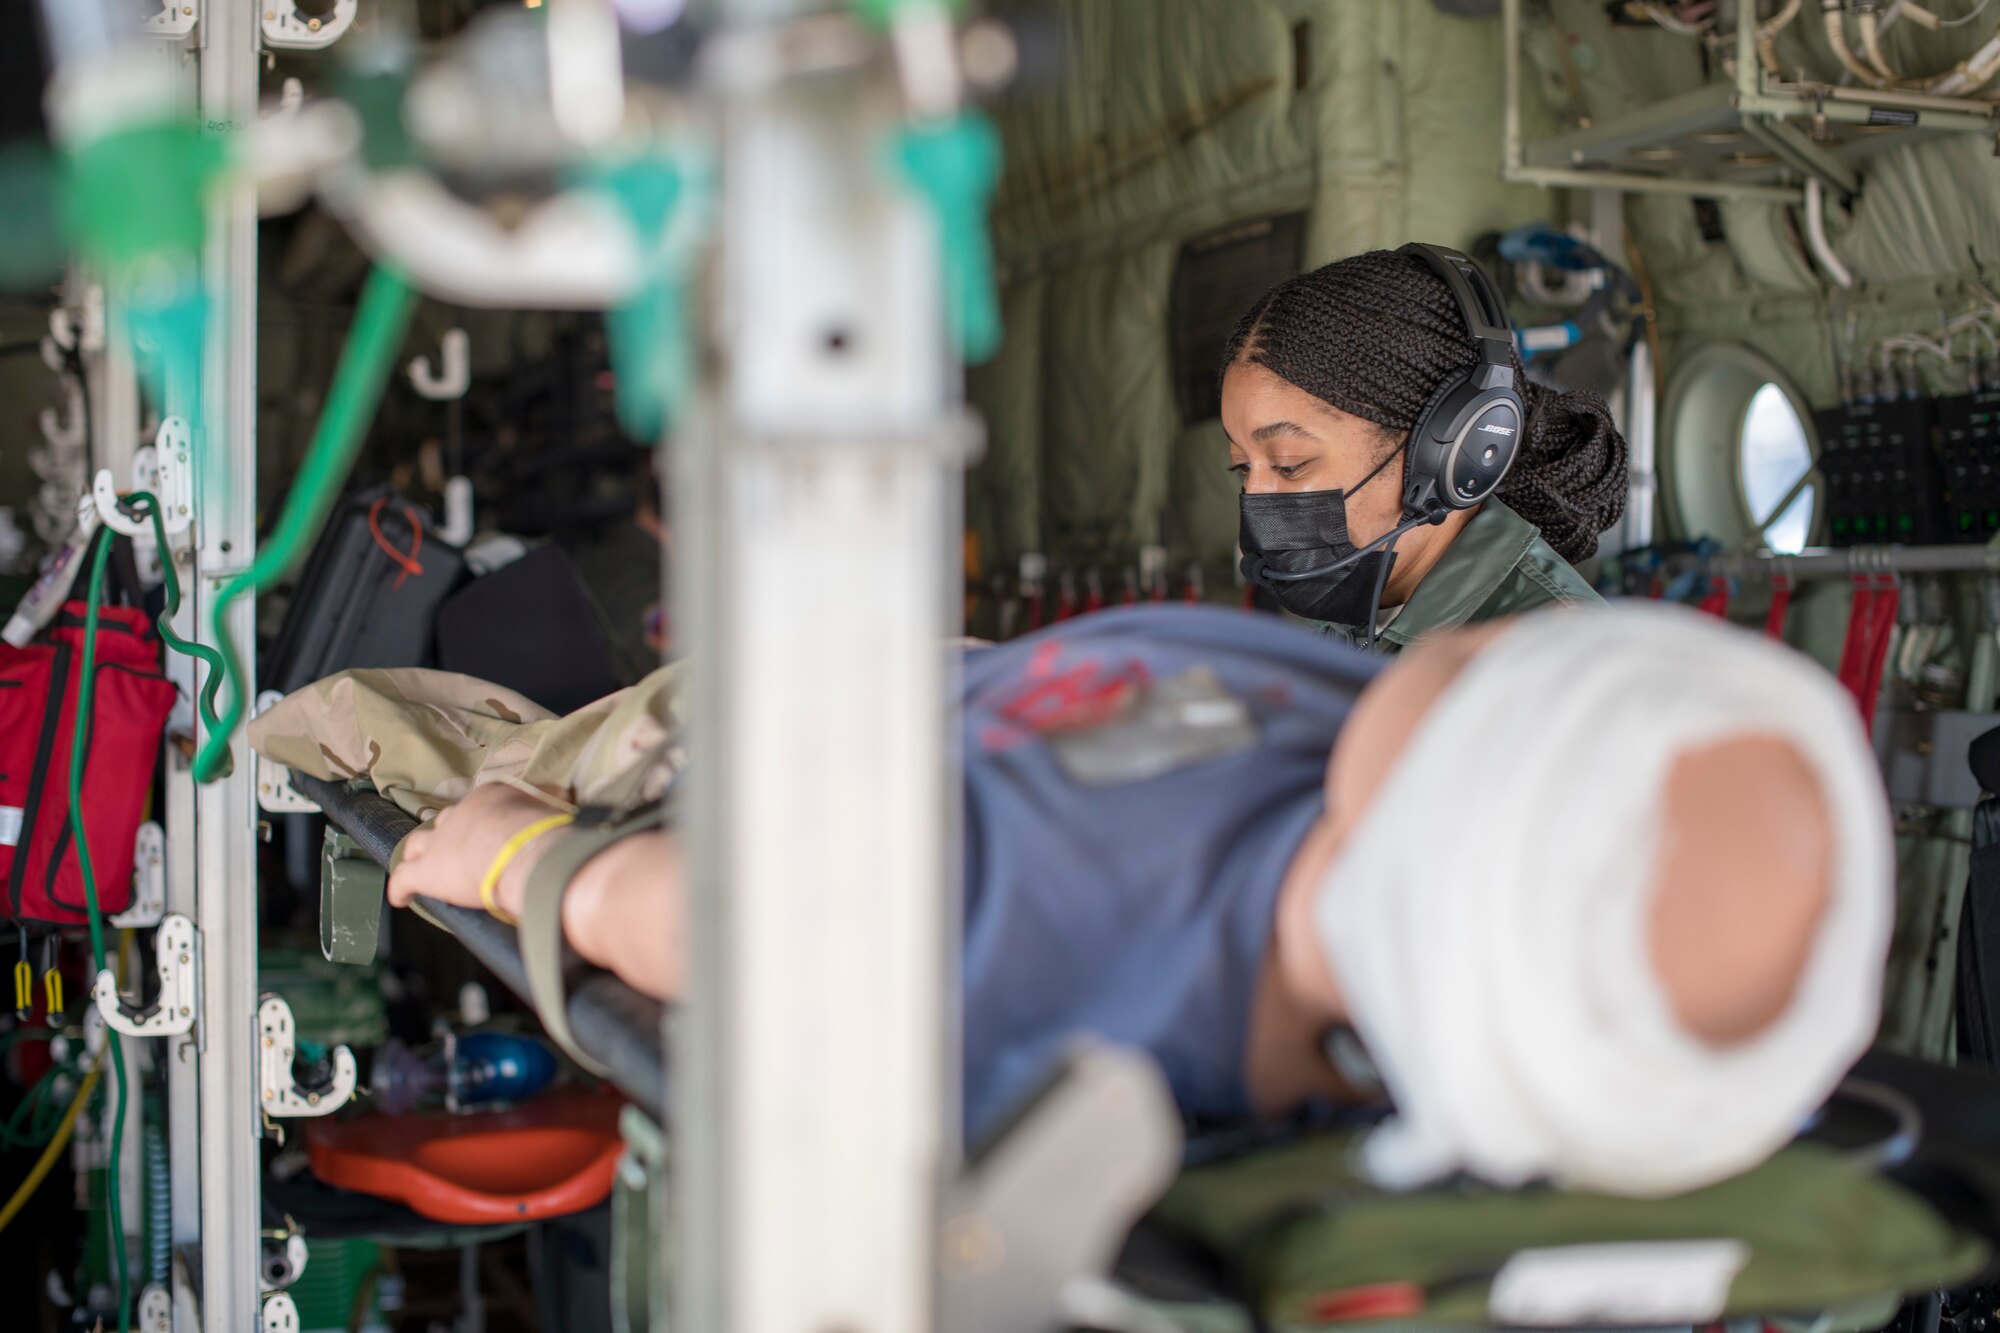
x=1462, y=398
x=1514, y=446
x=1422, y=456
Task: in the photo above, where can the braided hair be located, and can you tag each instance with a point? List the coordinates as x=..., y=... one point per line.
x=1376, y=334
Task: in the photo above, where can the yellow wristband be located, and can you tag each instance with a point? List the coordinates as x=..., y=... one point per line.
x=508, y=851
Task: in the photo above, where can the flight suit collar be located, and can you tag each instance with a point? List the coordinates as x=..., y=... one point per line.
x=1472, y=569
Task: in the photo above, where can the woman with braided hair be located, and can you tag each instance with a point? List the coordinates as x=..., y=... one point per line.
x=1322, y=382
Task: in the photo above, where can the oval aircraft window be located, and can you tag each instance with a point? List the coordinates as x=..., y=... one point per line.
x=1774, y=459
x=1739, y=455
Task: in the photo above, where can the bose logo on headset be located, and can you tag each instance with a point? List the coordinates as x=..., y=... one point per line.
x=1498, y=430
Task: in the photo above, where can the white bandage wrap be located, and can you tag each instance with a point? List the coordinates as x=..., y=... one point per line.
x=1488, y=919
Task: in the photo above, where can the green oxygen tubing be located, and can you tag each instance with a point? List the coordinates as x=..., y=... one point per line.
x=114, y=1046
x=365, y=363
x=148, y=505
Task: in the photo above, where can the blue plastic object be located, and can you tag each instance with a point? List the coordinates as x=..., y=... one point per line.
x=500, y=1067
x=1545, y=338
x=1690, y=583
x=485, y=1069
x=1540, y=243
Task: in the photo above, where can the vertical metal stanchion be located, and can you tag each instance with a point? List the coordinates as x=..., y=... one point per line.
x=817, y=511
x=226, y=811
x=183, y=1053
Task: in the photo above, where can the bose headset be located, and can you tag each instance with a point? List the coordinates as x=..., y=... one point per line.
x=1465, y=438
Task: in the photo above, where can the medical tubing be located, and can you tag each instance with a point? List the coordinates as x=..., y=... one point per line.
x=365, y=365
x=79, y=754
x=201, y=652
x=32, y=1123
x=47, y=1160
x=1265, y=573
x=36, y=1118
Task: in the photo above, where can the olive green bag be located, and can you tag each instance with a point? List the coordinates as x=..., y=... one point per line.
x=1307, y=1243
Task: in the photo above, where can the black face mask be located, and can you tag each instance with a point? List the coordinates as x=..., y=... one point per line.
x=1291, y=533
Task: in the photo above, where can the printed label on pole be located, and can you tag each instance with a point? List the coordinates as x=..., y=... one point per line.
x=11, y=817
x=1665, y=1282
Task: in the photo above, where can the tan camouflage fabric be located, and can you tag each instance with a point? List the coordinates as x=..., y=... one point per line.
x=426, y=738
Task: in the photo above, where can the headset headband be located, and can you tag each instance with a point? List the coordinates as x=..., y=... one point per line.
x=1478, y=302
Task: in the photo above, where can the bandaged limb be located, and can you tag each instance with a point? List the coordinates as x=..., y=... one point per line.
x=1616, y=916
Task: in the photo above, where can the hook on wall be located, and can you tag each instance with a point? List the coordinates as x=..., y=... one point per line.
x=175, y=956
x=455, y=377
x=279, y=1092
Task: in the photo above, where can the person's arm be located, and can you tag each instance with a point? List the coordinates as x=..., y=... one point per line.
x=625, y=911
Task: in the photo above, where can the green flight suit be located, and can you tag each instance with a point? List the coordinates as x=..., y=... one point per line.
x=1498, y=566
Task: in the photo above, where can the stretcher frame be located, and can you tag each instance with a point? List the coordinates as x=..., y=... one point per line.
x=829, y=437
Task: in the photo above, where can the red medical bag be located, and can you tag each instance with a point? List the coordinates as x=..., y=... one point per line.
x=40, y=876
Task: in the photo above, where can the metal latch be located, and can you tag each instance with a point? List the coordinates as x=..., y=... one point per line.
x=175, y=954
x=176, y=19
x=286, y=28
x=284, y=1259
x=278, y=1090
x=279, y=1315
x=273, y=781
x=156, y=1310
x=149, y=880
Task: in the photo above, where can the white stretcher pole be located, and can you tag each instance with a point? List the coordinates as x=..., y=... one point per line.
x=817, y=512
x=225, y=812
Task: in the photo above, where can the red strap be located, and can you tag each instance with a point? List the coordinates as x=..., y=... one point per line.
x=1249, y=597
x=1871, y=624
x=1717, y=601
x=1882, y=634
x=1381, y=1300
x=1033, y=597
x=1781, y=607
x=406, y=562
x=1855, y=642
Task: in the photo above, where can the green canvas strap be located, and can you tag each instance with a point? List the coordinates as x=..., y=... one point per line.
x=639, y=1228
x=543, y=949
x=351, y=891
